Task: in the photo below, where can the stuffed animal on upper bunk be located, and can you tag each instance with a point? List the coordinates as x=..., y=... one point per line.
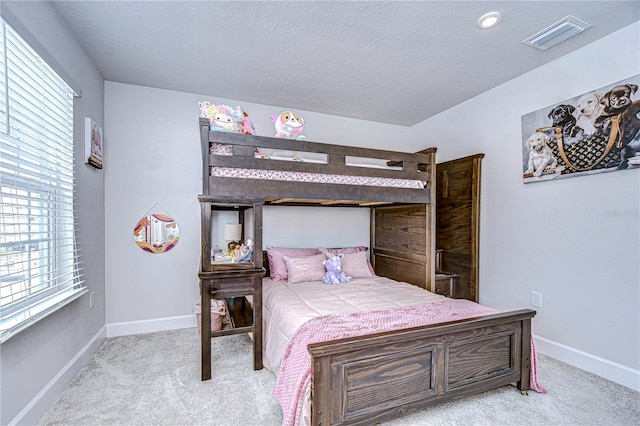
x=289, y=125
x=335, y=275
x=224, y=118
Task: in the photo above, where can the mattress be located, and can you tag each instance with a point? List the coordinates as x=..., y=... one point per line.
x=288, y=306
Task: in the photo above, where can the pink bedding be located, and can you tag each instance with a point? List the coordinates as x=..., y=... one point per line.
x=315, y=177
x=294, y=377
x=287, y=306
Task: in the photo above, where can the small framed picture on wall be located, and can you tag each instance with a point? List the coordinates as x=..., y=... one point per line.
x=93, y=143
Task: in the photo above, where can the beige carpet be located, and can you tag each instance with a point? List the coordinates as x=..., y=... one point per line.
x=154, y=379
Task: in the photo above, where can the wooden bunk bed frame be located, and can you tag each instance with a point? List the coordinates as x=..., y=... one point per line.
x=377, y=377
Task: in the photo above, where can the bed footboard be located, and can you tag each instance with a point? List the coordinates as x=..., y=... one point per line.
x=373, y=378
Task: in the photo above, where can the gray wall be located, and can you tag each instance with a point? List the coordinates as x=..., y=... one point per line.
x=46, y=356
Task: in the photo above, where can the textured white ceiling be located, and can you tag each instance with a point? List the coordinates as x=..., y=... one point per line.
x=393, y=62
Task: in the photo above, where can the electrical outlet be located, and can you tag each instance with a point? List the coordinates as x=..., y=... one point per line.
x=536, y=299
x=91, y=299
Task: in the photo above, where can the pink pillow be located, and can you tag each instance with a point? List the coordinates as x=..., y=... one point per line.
x=306, y=268
x=356, y=265
x=277, y=267
x=349, y=250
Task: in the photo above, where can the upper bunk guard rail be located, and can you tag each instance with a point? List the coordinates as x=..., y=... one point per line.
x=233, y=201
x=412, y=166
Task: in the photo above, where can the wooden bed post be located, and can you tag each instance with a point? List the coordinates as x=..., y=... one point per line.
x=524, y=384
x=431, y=219
x=204, y=139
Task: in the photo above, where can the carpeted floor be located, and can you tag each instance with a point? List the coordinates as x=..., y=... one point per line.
x=154, y=379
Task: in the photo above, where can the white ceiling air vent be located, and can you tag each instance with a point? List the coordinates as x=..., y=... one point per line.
x=556, y=33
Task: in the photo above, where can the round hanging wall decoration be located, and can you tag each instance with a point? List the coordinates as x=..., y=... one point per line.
x=156, y=233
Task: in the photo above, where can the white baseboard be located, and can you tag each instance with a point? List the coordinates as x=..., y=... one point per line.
x=39, y=405
x=150, y=326
x=609, y=370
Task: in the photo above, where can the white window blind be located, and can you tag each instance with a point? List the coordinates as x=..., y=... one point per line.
x=39, y=260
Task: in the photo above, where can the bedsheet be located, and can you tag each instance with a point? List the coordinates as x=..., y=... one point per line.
x=285, y=175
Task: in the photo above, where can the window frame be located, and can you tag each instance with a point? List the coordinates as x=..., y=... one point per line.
x=37, y=172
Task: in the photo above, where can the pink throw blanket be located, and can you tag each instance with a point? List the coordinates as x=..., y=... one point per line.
x=294, y=375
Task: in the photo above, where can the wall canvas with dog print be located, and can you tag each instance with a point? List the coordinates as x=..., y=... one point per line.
x=598, y=131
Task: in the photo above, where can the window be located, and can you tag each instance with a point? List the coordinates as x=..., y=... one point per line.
x=39, y=268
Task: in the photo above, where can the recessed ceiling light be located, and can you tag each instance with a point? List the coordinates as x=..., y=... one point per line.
x=489, y=20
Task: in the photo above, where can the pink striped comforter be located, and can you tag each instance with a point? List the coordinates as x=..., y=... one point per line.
x=294, y=376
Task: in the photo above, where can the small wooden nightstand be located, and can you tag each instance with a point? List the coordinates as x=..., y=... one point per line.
x=233, y=285
x=446, y=283
x=229, y=280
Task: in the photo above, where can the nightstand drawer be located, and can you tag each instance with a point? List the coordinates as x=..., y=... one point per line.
x=446, y=283
x=231, y=283
x=239, y=284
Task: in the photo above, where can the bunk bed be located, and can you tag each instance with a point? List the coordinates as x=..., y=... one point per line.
x=377, y=376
